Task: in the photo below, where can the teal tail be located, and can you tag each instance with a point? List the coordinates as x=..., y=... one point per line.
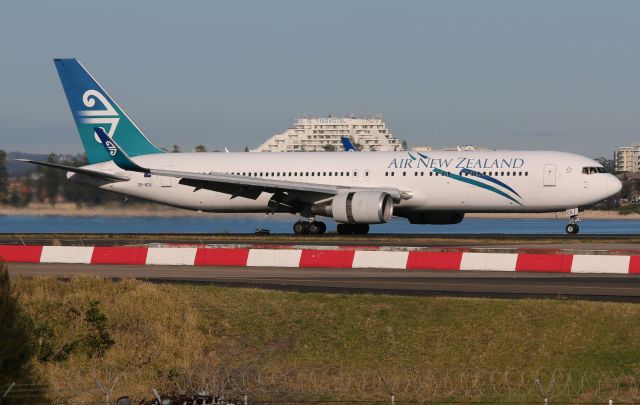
x=92, y=107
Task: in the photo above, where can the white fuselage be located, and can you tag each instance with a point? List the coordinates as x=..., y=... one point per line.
x=465, y=181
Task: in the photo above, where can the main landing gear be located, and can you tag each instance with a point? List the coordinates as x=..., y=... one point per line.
x=572, y=227
x=353, y=229
x=309, y=228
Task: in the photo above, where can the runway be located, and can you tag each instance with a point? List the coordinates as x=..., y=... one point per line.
x=486, y=284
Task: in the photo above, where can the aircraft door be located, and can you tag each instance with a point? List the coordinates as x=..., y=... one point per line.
x=549, y=176
x=166, y=181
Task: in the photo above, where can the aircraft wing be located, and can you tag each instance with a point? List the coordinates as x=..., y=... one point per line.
x=234, y=185
x=79, y=170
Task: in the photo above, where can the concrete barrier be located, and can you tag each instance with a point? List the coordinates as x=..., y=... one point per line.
x=380, y=260
x=489, y=261
x=319, y=257
x=66, y=254
x=274, y=258
x=171, y=256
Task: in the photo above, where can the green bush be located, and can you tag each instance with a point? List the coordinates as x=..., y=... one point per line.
x=17, y=347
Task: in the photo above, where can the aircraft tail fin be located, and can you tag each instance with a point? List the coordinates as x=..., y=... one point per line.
x=92, y=106
x=348, y=146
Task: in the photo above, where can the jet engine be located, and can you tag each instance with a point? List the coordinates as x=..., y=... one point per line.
x=436, y=218
x=360, y=207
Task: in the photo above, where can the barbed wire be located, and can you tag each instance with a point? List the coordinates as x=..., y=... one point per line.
x=406, y=384
x=340, y=385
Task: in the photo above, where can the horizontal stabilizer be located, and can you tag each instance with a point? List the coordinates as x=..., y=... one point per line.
x=79, y=170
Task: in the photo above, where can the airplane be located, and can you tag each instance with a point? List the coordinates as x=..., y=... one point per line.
x=347, y=145
x=356, y=190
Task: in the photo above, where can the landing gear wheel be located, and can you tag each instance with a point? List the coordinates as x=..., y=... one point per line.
x=301, y=228
x=322, y=226
x=314, y=229
x=572, y=229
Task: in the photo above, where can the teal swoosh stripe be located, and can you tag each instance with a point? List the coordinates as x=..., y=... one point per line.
x=476, y=183
x=491, y=179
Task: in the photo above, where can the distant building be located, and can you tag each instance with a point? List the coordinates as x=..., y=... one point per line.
x=421, y=149
x=627, y=158
x=322, y=134
x=466, y=148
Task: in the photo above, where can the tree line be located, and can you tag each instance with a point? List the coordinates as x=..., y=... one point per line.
x=48, y=185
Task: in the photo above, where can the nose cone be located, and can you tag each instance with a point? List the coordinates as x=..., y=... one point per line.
x=613, y=185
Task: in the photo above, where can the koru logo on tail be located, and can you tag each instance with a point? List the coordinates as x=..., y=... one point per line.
x=111, y=147
x=106, y=115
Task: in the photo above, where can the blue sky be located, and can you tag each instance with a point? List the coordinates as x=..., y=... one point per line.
x=561, y=75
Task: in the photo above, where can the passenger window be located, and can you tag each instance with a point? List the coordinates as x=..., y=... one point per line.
x=404, y=173
x=508, y=173
x=329, y=174
x=501, y=173
x=526, y=173
x=430, y=173
x=421, y=174
x=415, y=174
x=393, y=173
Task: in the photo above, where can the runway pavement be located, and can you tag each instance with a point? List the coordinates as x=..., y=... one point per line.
x=498, y=284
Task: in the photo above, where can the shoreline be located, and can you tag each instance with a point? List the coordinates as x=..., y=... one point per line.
x=153, y=210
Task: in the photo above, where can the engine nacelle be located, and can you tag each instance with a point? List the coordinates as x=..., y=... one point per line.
x=360, y=207
x=436, y=218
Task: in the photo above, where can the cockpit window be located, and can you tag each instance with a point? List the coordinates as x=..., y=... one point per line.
x=593, y=170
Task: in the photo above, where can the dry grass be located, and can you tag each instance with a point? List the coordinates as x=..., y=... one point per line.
x=166, y=335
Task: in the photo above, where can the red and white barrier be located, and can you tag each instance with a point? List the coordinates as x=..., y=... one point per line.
x=274, y=258
x=329, y=257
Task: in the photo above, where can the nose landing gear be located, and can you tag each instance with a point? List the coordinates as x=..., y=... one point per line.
x=572, y=227
x=309, y=228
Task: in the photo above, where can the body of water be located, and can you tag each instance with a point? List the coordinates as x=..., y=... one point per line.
x=283, y=224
